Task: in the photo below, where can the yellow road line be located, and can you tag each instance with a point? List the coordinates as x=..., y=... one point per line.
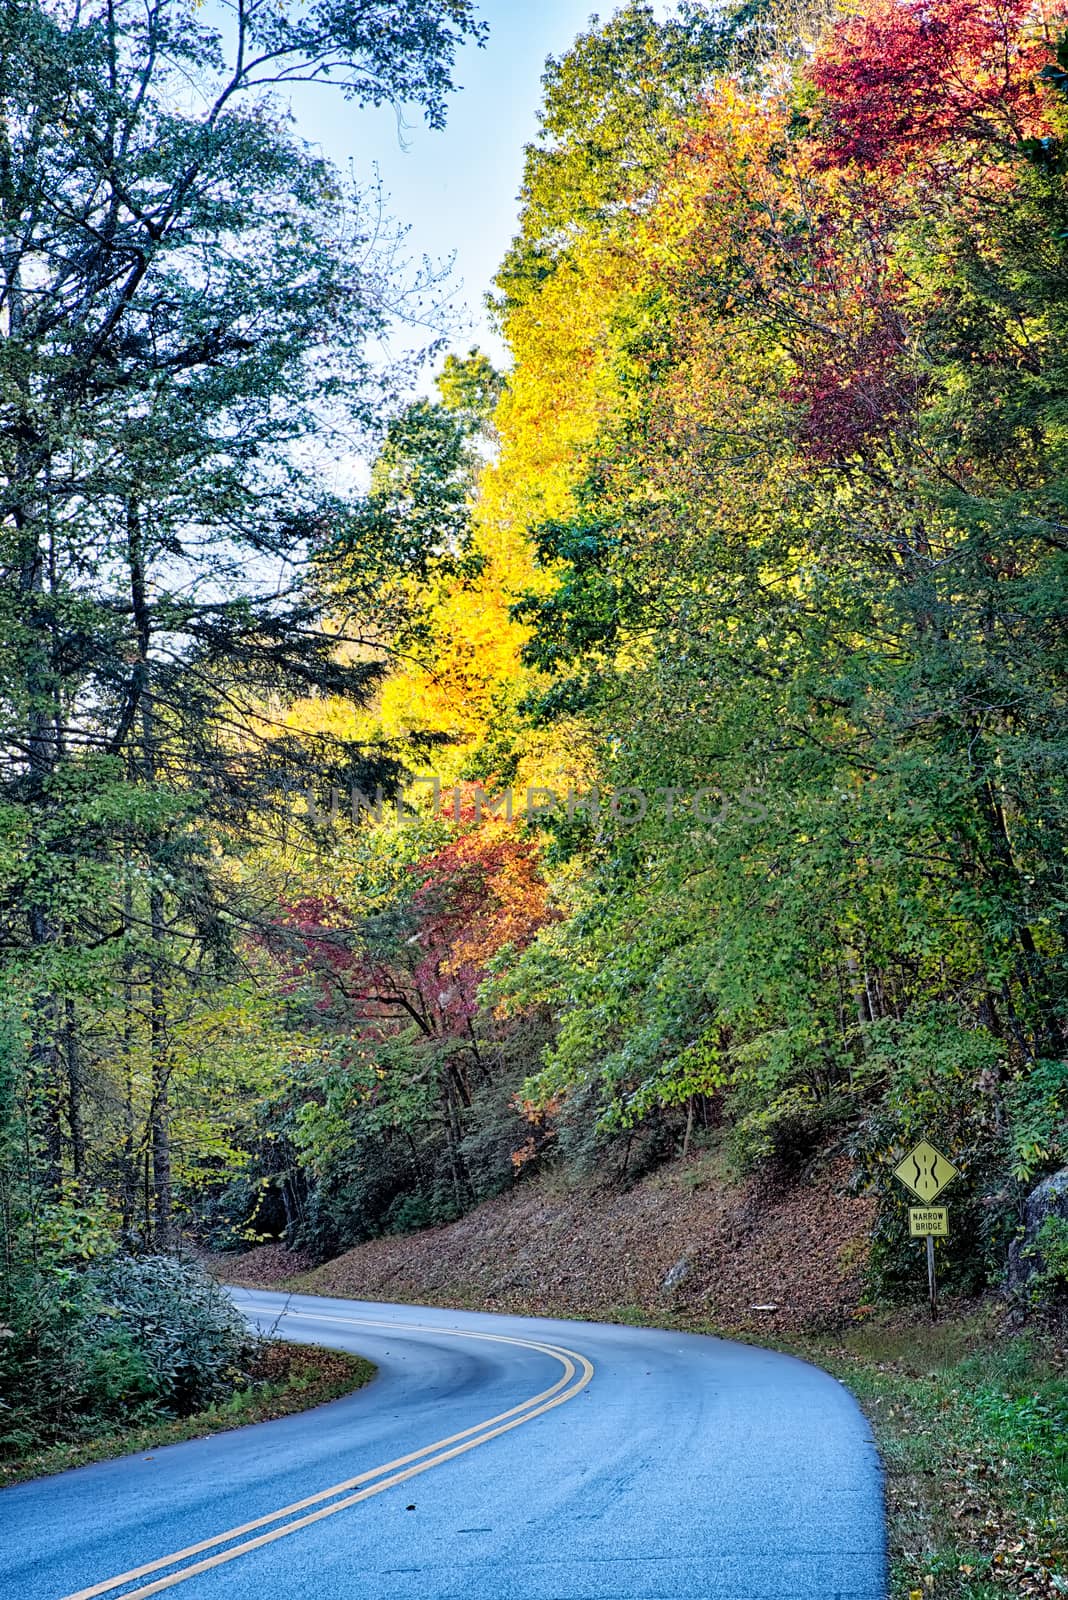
x=440, y=1451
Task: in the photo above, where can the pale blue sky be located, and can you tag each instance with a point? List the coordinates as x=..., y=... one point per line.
x=457, y=188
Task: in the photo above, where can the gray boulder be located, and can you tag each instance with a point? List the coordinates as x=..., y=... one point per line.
x=676, y=1275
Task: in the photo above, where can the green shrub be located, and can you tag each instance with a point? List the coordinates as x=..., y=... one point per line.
x=112, y=1343
x=790, y=1130
x=194, y=1346
x=1049, y=1282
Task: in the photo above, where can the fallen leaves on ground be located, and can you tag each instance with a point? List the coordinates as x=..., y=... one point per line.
x=760, y=1256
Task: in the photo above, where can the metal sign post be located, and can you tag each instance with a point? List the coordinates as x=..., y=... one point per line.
x=926, y=1172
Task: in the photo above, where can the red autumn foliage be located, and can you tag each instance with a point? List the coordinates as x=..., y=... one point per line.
x=317, y=942
x=858, y=395
x=476, y=894
x=907, y=76
x=480, y=892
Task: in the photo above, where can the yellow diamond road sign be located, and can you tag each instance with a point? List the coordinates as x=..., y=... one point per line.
x=925, y=1171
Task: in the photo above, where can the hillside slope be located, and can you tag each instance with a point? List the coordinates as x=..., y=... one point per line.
x=743, y=1256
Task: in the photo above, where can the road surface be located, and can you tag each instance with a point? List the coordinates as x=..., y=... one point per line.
x=492, y=1458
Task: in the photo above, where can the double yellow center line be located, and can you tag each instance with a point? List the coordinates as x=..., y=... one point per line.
x=234, y=1542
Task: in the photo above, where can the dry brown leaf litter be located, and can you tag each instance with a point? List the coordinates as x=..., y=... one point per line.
x=799, y=1250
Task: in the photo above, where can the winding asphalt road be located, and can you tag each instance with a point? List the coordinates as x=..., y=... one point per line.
x=493, y=1458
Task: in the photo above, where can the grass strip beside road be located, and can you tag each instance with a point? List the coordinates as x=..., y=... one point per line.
x=972, y=1426
x=290, y=1378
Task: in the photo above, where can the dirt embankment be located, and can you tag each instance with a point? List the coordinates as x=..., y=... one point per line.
x=746, y=1256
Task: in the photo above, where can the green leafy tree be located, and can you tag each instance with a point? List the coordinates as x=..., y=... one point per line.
x=174, y=267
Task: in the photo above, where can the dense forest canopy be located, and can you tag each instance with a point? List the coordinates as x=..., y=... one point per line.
x=671, y=737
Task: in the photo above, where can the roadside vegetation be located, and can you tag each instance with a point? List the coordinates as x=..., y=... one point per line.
x=96, y=1338
x=971, y=1421
x=281, y=1379
x=109, y=1352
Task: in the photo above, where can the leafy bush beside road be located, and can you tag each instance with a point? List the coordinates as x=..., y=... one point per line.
x=285, y=1378
x=192, y=1344
x=122, y=1337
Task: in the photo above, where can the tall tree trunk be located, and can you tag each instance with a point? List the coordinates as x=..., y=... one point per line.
x=30, y=530
x=160, y=1118
x=1030, y=967
x=129, y=1035
x=75, y=1088
x=46, y=1075
x=40, y=730
x=461, y=1183
x=159, y=1114
x=858, y=983
x=689, y=1129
